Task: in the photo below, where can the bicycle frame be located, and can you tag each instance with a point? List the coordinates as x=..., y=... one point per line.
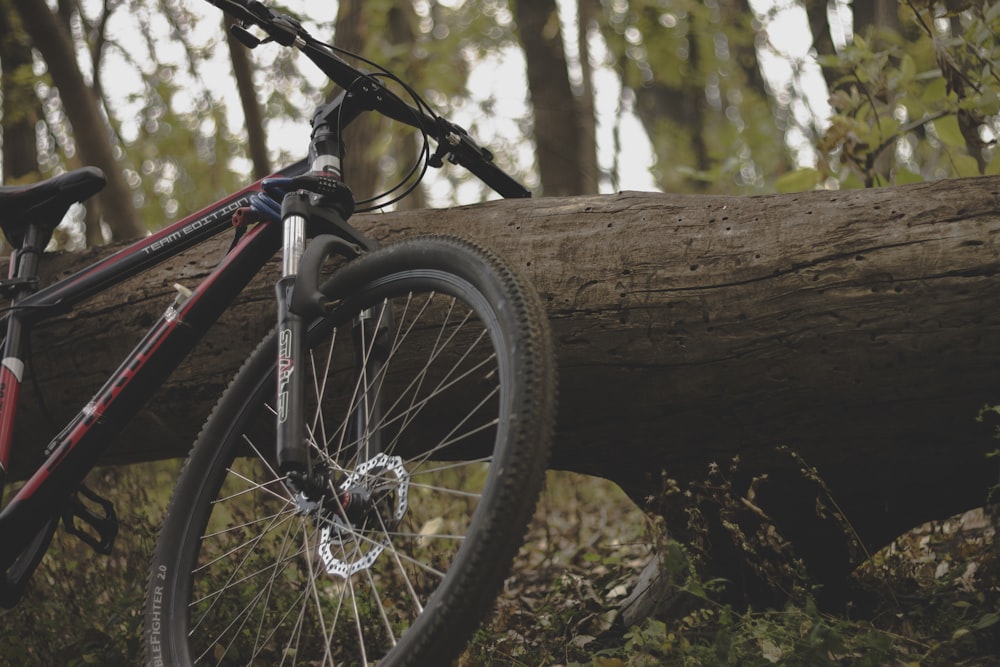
x=76, y=449
x=29, y=519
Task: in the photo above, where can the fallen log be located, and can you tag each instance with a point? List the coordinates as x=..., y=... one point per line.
x=856, y=328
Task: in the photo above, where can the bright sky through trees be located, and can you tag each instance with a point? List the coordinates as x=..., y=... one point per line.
x=622, y=142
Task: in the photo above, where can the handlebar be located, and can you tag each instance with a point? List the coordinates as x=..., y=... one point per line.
x=454, y=143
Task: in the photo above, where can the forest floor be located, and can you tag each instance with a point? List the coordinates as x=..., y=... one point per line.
x=937, y=596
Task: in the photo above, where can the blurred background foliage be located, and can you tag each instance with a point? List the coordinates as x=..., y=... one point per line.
x=721, y=96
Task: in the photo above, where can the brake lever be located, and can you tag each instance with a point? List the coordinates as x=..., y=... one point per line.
x=451, y=139
x=280, y=28
x=455, y=143
x=245, y=37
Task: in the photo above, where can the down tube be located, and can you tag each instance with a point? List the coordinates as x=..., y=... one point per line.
x=77, y=448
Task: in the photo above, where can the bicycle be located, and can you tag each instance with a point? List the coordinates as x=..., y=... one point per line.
x=359, y=491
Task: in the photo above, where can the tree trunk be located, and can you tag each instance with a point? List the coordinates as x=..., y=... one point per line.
x=587, y=12
x=563, y=164
x=50, y=37
x=874, y=15
x=857, y=328
x=252, y=115
x=361, y=157
x=20, y=107
x=822, y=39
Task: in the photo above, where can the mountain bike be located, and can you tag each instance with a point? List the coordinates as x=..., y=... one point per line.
x=358, y=493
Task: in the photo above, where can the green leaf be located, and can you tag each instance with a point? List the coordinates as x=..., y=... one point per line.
x=907, y=67
x=988, y=620
x=947, y=130
x=966, y=166
x=993, y=168
x=887, y=129
x=935, y=91
x=903, y=176
x=799, y=180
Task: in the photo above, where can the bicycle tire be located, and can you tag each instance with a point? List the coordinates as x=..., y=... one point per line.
x=408, y=581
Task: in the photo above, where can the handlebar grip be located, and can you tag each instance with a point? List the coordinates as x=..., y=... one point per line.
x=239, y=9
x=496, y=178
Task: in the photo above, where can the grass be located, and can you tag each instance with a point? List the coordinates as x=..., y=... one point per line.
x=83, y=609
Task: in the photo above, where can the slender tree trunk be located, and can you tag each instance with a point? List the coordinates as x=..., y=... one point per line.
x=686, y=108
x=90, y=130
x=587, y=12
x=21, y=109
x=672, y=108
x=361, y=159
x=739, y=12
x=367, y=139
x=871, y=19
x=406, y=140
x=252, y=116
x=875, y=14
x=559, y=126
x=822, y=38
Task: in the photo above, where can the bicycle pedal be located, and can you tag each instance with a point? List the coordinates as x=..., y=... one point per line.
x=98, y=516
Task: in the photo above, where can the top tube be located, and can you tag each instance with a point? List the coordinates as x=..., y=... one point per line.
x=142, y=254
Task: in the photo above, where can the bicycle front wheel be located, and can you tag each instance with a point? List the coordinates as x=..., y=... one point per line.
x=432, y=399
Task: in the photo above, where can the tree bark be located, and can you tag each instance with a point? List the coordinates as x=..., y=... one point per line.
x=361, y=158
x=50, y=37
x=20, y=107
x=857, y=328
x=253, y=118
x=564, y=163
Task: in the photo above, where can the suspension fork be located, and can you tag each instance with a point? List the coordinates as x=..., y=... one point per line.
x=292, y=454
x=300, y=302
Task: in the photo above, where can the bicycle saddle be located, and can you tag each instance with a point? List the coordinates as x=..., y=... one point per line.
x=45, y=203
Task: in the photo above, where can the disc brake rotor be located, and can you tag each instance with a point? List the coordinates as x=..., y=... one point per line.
x=346, y=548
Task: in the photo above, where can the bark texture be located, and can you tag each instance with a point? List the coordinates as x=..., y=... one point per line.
x=253, y=116
x=566, y=163
x=859, y=329
x=19, y=106
x=90, y=130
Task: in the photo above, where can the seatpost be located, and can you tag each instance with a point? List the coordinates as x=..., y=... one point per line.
x=26, y=260
x=22, y=281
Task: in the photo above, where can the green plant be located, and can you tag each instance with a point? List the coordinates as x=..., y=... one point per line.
x=85, y=609
x=916, y=104
x=934, y=594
